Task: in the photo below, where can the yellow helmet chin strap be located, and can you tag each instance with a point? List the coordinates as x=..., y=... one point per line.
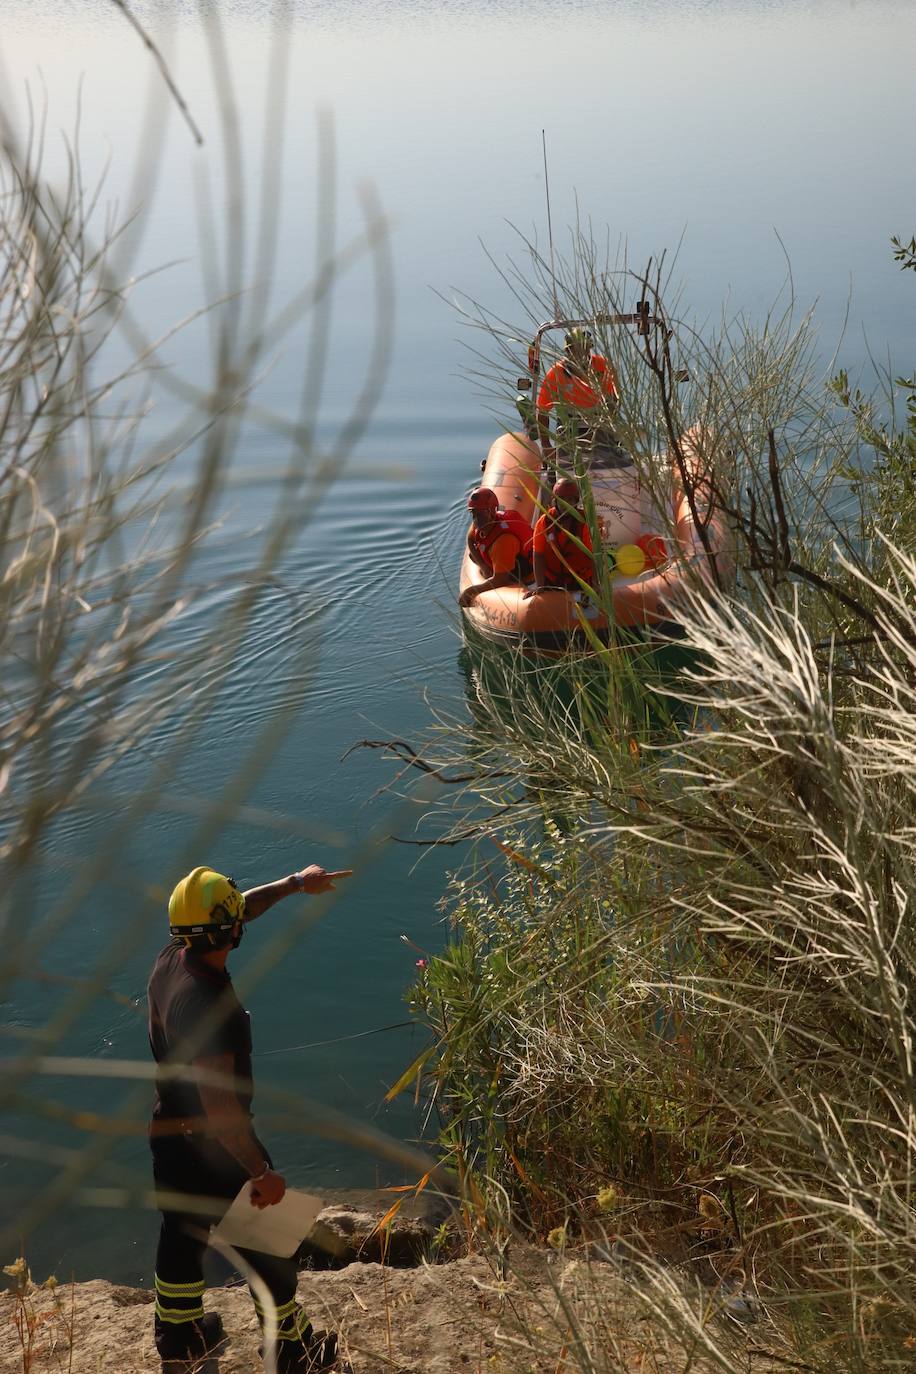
x=197, y=941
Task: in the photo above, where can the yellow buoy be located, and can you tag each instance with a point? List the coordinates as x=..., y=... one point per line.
x=630, y=560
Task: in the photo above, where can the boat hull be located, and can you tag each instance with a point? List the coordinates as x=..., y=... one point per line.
x=553, y=618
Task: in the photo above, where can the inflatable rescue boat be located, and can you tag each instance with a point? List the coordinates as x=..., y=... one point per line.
x=648, y=529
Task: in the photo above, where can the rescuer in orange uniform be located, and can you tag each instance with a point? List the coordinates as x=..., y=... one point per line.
x=499, y=543
x=561, y=545
x=581, y=388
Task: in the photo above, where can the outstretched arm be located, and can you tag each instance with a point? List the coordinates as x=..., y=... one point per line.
x=504, y=556
x=313, y=879
x=500, y=579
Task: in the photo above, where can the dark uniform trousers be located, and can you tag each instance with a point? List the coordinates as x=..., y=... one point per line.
x=178, y=1167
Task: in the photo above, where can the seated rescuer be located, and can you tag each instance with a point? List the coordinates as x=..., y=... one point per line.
x=498, y=542
x=201, y=1135
x=559, y=557
x=581, y=387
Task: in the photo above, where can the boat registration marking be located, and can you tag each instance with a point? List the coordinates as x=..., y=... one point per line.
x=501, y=617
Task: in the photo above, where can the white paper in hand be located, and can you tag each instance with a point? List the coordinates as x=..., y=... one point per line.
x=276, y=1230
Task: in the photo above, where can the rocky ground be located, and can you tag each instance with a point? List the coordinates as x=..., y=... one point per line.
x=459, y=1317
x=428, y=1320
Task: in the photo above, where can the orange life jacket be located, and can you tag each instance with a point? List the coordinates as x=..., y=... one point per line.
x=506, y=522
x=564, y=560
x=565, y=386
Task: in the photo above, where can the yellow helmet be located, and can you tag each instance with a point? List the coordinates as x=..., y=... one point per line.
x=205, y=904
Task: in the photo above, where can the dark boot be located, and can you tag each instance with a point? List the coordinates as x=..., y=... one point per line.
x=206, y=1340
x=212, y=1333
x=314, y=1352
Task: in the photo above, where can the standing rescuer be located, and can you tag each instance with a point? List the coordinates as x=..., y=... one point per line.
x=202, y=1136
x=581, y=389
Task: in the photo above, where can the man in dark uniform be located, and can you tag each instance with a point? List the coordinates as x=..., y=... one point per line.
x=201, y=1135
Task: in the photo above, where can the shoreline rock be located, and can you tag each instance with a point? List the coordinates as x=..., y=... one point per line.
x=347, y=1229
x=459, y=1317
x=407, y=1316
x=432, y=1319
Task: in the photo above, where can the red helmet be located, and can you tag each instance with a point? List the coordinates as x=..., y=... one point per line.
x=567, y=489
x=483, y=499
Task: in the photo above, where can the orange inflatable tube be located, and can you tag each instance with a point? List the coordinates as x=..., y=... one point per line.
x=553, y=616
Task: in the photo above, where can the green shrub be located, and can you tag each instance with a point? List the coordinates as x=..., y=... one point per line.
x=686, y=985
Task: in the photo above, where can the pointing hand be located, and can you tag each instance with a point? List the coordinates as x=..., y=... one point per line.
x=315, y=879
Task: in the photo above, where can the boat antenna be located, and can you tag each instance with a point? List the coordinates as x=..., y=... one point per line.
x=553, y=274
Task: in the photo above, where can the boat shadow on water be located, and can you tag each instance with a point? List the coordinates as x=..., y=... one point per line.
x=628, y=691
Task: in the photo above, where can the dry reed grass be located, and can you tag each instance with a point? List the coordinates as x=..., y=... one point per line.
x=674, y=1019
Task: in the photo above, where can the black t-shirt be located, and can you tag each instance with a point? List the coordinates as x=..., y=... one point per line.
x=194, y=1013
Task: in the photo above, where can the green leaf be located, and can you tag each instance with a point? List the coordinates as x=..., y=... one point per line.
x=410, y=1073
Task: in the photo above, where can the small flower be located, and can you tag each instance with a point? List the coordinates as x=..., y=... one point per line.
x=710, y=1209
x=19, y=1271
x=50, y=1282
x=421, y=963
x=607, y=1198
x=556, y=1238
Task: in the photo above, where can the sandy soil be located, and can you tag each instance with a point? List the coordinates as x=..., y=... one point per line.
x=455, y=1318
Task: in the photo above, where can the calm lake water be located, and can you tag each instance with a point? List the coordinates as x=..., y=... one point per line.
x=743, y=131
